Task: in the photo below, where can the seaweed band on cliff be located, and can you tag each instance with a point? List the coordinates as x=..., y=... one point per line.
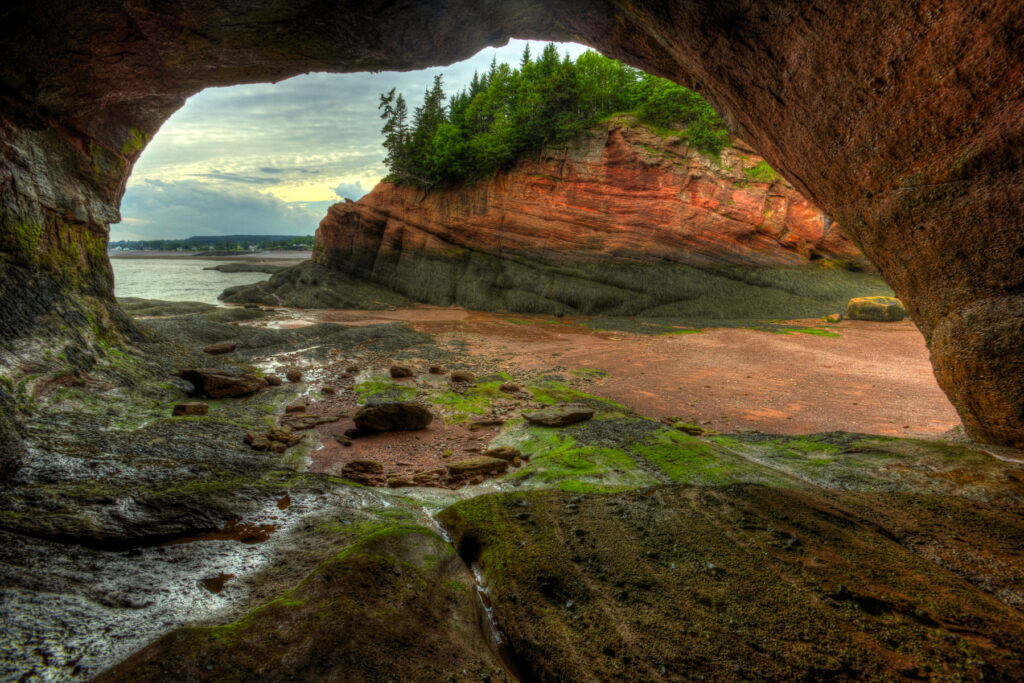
x=574, y=187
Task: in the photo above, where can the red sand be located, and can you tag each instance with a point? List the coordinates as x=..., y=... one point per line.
x=873, y=378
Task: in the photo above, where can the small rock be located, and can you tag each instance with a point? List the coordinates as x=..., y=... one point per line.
x=508, y=453
x=274, y=380
x=278, y=447
x=192, y=408
x=430, y=477
x=343, y=440
x=517, y=462
x=464, y=376
x=400, y=481
x=327, y=391
x=355, y=432
x=218, y=349
x=558, y=416
x=688, y=428
x=368, y=472
x=481, y=465
x=260, y=443
x=279, y=434
x=222, y=383
x=509, y=388
x=483, y=422
x=883, y=309
x=303, y=421
x=294, y=375
x=352, y=368
x=387, y=417
x=436, y=370
x=299, y=407
x=398, y=371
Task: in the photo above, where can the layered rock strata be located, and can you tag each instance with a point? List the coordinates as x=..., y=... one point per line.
x=622, y=220
x=902, y=121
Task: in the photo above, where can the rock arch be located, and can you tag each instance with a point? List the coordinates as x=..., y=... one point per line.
x=905, y=121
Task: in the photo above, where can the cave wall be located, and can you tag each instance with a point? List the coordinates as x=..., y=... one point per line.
x=904, y=121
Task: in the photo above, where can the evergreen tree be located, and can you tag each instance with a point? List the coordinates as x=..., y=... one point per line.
x=509, y=112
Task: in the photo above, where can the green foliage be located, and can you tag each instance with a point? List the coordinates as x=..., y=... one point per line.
x=509, y=112
x=239, y=243
x=762, y=173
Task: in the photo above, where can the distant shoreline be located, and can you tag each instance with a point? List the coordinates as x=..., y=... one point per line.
x=283, y=257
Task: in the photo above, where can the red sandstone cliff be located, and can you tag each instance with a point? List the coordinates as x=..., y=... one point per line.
x=620, y=194
x=623, y=221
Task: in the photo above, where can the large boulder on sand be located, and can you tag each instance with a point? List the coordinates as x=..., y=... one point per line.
x=882, y=309
x=387, y=417
x=222, y=383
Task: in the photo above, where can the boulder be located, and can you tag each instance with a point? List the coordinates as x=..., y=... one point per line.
x=882, y=309
x=218, y=349
x=222, y=383
x=480, y=465
x=387, y=417
x=398, y=371
x=367, y=472
x=559, y=415
x=191, y=408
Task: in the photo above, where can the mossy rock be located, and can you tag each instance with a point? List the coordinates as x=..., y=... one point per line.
x=395, y=606
x=883, y=309
x=743, y=582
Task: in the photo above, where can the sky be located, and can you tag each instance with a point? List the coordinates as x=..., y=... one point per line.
x=270, y=158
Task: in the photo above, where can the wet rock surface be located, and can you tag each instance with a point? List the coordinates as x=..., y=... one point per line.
x=401, y=590
x=610, y=547
x=750, y=582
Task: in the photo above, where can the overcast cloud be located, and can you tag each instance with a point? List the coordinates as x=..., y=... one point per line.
x=270, y=158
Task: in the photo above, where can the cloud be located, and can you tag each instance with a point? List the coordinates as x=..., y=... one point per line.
x=157, y=209
x=353, y=191
x=306, y=141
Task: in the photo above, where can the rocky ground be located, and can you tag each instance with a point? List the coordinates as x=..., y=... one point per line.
x=622, y=546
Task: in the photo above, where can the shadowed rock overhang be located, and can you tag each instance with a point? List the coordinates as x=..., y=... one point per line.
x=905, y=122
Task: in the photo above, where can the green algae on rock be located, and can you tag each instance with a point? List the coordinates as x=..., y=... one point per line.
x=393, y=606
x=744, y=582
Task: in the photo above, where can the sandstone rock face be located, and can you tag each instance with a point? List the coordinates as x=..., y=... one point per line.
x=903, y=121
x=622, y=220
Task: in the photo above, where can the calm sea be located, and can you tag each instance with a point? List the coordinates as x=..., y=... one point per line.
x=175, y=279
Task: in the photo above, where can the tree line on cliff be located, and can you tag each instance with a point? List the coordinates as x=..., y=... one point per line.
x=509, y=111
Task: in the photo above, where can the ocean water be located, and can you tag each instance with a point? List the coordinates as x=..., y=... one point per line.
x=175, y=279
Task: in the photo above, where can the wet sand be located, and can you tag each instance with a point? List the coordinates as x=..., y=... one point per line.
x=873, y=378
